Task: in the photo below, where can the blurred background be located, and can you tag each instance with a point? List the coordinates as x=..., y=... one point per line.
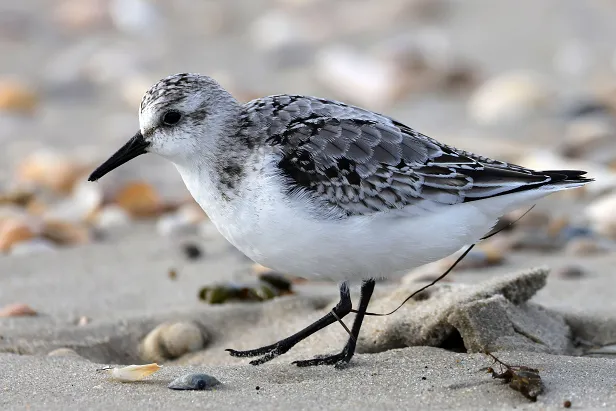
x=527, y=81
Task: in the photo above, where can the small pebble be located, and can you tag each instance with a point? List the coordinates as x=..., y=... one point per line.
x=567, y=404
x=17, y=310
x=172, y=274
x=83, y=320
x=192, y=251
x=196, y=381
x=570, y=272
x=172, y=340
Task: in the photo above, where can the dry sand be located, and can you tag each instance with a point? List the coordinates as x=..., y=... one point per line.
x=86, y=79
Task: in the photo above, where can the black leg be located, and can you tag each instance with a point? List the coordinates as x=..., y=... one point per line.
x=269, y=352
x=342, y=358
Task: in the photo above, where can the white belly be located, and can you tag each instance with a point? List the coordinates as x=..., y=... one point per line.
x=282, y=234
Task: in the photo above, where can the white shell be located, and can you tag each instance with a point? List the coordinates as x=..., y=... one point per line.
x=132, y=373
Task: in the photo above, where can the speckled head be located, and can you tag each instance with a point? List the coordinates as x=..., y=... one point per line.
x=181, y=115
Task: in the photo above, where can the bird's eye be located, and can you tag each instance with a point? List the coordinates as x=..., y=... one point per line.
x=171, y=118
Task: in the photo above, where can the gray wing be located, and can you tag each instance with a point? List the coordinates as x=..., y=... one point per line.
x=360, y=162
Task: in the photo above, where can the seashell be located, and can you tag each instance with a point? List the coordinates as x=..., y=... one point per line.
x=65, y=352
x=508, y=97
x=33, y=246
x=110, y=216
x=84, y=201
x=197, y=381
x=50, y=170
x=81, y=14
x=175, y=224
x=65, y=233
x=13, y=231
x=131, y=373
x=601, y=215
x=17, y=97
x=139, y=199
x=362, y=79
x=135, y=17
x=172, y=340
x=17, y=310
x=19, y=198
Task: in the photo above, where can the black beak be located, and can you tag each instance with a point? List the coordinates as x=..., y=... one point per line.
x=135, y=147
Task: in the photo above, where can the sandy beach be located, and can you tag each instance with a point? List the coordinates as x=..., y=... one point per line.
x=111, y=273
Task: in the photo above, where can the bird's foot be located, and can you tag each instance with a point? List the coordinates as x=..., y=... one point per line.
x=340, y=360
x=267, y=353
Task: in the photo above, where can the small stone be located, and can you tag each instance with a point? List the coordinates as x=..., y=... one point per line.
x=172, y=340
x=587, y=246
x=16, y=97
x=194, y=382
x=82, y=321
x=14, y=231
x=192, y=251
x=65, y=233
x=570, y=272
x=508, y=97
x=139, y=199
x=567, y=404
x=17, y=310
x=536, y=240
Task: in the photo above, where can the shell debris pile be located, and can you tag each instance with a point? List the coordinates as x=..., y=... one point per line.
x=51, y=204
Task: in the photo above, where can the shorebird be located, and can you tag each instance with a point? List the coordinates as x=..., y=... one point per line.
x=318, y=188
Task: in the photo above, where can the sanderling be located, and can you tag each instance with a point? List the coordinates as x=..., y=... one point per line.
x=315, y=187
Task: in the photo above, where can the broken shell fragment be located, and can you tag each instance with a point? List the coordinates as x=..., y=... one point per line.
x=50, y=170
x=131, y=373
x=17, y=97
x=194, y=382
x=65, y=233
